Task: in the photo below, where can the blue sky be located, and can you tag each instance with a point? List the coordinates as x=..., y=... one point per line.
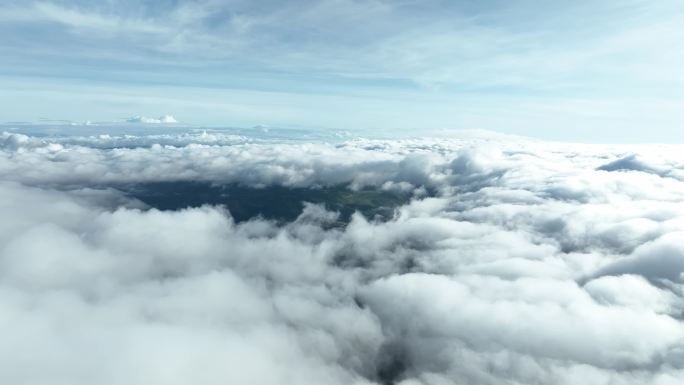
x=572, y=70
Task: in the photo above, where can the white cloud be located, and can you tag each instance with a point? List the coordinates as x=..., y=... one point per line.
x=162, y=119
x=517, y=262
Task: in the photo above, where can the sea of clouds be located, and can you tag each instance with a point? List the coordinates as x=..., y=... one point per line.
x=516, y=262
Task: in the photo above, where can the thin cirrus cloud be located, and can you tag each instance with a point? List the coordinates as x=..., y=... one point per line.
x=527, y=262
x=560, y=71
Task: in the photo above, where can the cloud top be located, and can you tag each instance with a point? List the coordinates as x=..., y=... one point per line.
x=514, y=262
x=165, y=119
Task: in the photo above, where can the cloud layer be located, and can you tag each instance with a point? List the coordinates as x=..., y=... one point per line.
x=516, y=262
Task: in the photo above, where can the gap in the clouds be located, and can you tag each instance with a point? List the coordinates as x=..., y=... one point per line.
x=272, y=202
x=392, y=362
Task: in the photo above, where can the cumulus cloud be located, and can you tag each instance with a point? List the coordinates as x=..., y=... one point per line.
x=166, y=119
x=515, y=262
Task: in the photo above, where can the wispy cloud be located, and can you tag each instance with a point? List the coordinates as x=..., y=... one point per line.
x=507, y=55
